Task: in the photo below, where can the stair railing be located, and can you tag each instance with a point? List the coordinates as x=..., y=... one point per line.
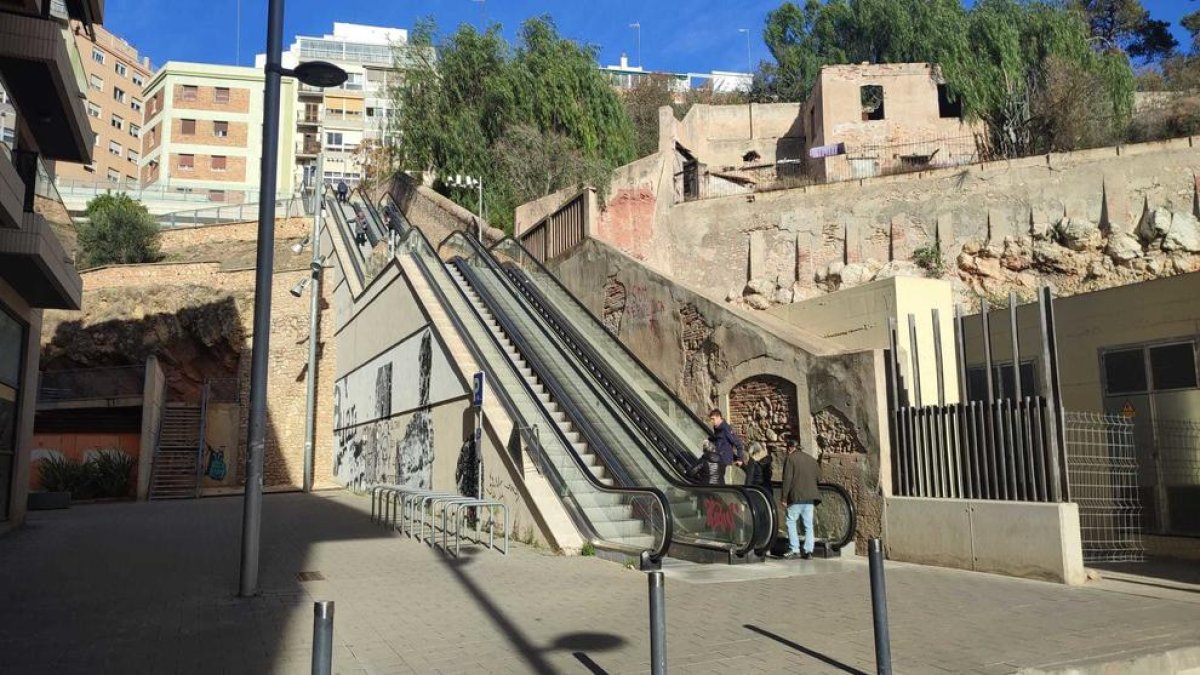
x=200, y=442
x=154, y=461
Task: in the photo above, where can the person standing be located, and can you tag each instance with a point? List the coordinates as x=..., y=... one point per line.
x=725, y=440
x=799, y=497
x=758, y=468
x=707, y=469
x=343, y=191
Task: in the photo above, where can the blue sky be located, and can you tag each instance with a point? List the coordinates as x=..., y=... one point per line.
x=680, y=35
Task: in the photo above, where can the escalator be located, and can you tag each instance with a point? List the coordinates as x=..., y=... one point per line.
x=624, y=520
x=671, y=424
x=711, y=523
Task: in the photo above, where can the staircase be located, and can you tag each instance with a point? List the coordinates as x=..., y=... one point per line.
x=176, y=471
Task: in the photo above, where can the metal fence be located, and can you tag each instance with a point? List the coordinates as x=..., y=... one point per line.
x=856, y=162
x=91, y=383
x=999, y=450
x=1102, y=468
x=1171, y=479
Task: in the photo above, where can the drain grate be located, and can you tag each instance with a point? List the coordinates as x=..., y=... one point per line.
x=310, y=576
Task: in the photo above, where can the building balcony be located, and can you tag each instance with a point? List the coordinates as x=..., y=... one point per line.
x=308, y=120
x=38, y=72
x=37, y=237
x=311, y=149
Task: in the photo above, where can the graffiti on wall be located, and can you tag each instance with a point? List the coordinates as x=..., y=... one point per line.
x=383, y=429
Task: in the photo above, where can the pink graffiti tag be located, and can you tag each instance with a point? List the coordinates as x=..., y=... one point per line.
x=720, y=517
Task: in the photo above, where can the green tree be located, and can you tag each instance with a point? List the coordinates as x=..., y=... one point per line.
x=118, y=230
x=1127, y=25
x=1191, y=23
x=456, y=111
x=642, y=102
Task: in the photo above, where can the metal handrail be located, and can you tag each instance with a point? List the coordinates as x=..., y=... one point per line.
x=673, y=479
x=347, y=238
x=200, y=443
x=678, y=456
x=546, y=467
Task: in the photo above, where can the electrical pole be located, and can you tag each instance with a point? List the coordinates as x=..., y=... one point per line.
x=637, y=26
x=750, y=72
x=314, y=313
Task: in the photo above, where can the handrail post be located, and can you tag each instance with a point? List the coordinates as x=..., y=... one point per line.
x=883, y=645
x=658, y=613
x=322, y=654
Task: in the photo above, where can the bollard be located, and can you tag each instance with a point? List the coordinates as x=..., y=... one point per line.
x=883, y=647
x=322, y=655
x=658, y=614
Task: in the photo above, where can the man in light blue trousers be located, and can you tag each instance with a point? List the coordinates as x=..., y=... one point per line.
x=800, y=497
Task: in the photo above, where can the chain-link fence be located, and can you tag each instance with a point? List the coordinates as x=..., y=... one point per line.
x=1102, y=472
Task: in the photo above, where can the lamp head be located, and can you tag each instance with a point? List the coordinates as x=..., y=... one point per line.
x=319, y=74
x=299, y=246
x=298, y=289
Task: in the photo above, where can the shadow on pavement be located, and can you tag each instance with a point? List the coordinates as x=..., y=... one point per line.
x=804, y=650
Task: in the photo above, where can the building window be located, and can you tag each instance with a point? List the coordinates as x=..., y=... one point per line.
x=217, y=163
x=216, y=195
x=187, y=127
x=114, y=148
x=137, y=79
x=333, y=139
x=135, y=131
x=121, y=69
x=136, y=104
x=96, y=82
x=220, y=129
x=117, y=122
x=221, y=94
x=114, y=176
x=188, y=92
x=12, y=346
x=97, y=56
x=1150, y=368
x=93, y=110
x=118, y=95
x=187, y=162
x=871, y=98
x=948, y=108
x=133, y=156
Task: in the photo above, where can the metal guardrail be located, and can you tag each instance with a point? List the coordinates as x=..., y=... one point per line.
x=91, y=383
x=287, y=207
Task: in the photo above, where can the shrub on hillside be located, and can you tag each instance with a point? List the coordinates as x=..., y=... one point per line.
x=118, y=230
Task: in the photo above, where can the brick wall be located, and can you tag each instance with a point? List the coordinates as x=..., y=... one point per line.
x=763, y=409
x=206, y=134
x=234, y=171
x=286, y=400
x=239, y=100
x=154, y=104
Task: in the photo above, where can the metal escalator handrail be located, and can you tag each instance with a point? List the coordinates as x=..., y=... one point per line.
x=556, y=390
x=347, y=238
x=621, y=345
x=754, y=542
x=678, y=455
x=510, y=407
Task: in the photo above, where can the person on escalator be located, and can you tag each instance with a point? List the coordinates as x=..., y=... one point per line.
x=729, y=447
x=360, y=226
x=707, y=469
x=343, y=191
x=800, y=498
x=758, y=468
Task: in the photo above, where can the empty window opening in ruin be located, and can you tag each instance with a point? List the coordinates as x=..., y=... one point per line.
x=871, y=97
x=948, y=106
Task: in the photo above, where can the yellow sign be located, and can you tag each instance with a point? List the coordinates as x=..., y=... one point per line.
x=1128, y=411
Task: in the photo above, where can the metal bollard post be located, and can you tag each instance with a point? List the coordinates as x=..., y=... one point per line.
x=658, y=614
x=883, y=645
x=322, y=654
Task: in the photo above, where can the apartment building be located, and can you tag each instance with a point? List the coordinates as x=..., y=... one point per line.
x=345, y=122
x=625, y=77
x=43, y=75
x=115, y=76
x=202, y=132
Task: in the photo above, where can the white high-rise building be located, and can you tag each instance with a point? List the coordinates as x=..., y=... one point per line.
x=344, y=122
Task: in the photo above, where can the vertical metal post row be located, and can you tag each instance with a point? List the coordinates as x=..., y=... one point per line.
x=322, y=653
x=883, y=643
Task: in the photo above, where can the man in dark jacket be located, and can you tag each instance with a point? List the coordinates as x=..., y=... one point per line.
x=800, y=496
x=343, y=190
x=728, y=446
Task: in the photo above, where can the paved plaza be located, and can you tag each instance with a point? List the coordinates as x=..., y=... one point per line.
x=150, y=588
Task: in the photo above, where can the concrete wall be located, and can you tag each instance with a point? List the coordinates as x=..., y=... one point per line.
x=1162, y=309
x=154, y=399
x=857, y=318
x=1020, y=539
x=703, y=350
x=721, y=135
